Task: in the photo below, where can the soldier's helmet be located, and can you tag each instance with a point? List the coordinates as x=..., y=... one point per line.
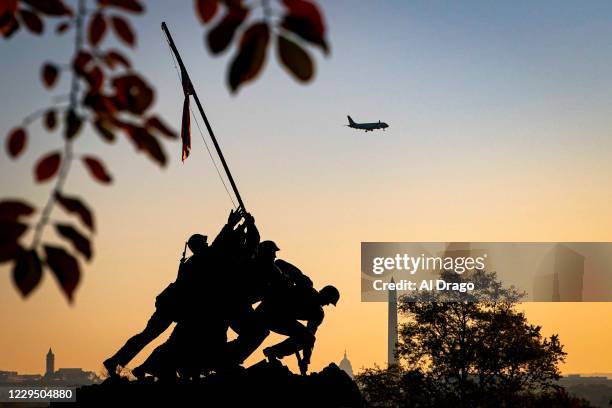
x=330, y=295
x=197, y=243
x=267, y=246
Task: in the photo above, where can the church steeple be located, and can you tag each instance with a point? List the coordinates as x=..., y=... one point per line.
x=50, y=363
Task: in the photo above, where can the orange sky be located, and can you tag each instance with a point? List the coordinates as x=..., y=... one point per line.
x=500, y=131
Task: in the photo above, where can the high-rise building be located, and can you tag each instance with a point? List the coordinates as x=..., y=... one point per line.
x=346, y=366
x=50, y=363
x=392, y=327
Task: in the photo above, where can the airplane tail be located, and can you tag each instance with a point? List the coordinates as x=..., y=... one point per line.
x=351, y=122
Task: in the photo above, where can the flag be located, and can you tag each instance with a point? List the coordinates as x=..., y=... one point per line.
x=186, y=127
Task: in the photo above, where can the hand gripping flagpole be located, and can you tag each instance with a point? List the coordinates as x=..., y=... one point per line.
x=189, y=84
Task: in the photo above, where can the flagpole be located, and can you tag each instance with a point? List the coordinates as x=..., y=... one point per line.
x=197, y=100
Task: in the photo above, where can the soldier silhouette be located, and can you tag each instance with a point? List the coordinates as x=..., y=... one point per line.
x=167, y=306
x=282, y=314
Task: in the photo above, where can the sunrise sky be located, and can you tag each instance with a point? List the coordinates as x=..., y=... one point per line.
x=500, y=130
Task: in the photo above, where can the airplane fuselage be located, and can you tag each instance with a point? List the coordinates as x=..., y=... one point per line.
x=368, y=127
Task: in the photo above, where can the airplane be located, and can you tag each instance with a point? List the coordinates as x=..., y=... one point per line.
x=368, y=127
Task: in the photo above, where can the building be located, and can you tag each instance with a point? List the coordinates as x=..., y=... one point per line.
x=392, y=328
x=346, y=366
x=50, y=363
x=60, y=377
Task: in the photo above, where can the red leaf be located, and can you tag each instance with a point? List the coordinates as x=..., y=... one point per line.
x=251, y=55
x=156, y=123
x=31, y=21
x=27, y=272
x=97, y=29
x=128, y=5
x=62, y=27
x=11, y=231
x=221, y=35
x=16, y=141
x=305, y=29
x=50, y=7
x=49, y=74
x=8, y=7
x=8, y=22
x=74, y=206
x=50, y=119
x=147, y=142
x=133, y=93
x=206, y=9
x=72, y=125
x=295, y=59
x=94, y=78
x=123, y=30
x=65, y=268
x=97, y=169
x=81, y=62
x=11, y=210
x=104, y=129
x=79, y=241
x=47, y=166
x=309, y=11
x=9, y=251
x=115, y=57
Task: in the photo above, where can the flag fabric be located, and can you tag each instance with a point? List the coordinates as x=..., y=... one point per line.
x=186, y=124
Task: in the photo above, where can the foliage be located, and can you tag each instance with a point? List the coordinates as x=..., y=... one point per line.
x=465, y=354
x=108, y=95
x=301, y=22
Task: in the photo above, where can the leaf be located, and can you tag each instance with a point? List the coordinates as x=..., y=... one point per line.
x=148, y=143
x=104, y=130
x=79, y=241
x=31, y=21
x=9, y=251
x=114, y=57
x=96, y=169
x=251, y=55
x=97, y=29
x=94, y=78
x=295, y=59
x=133, y=93
x=11, y=210
x=206, y=9
x=72, y=124
x=50, y=119
x=65, y=268
x=304, y=29
x=74, y=205
x=47, y=166
x=27, y=272
x=11, y=231
x=305, y=20
x=221, y=35
x=123, y=30
x=49, y=74
x=50, y=7
x=128, y=5
x=81, y=62
x=62, y=27
x=16, y=141
x=156, y=123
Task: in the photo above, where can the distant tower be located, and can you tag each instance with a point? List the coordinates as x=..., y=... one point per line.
x=346, y=366
x=50, y=363
x=392, y=329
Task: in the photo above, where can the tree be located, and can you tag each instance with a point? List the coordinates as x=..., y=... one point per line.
x=106, y=94
x=469, y=351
